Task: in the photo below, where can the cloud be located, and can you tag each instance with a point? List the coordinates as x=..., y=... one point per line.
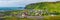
x=19, y=3
x=9, y=3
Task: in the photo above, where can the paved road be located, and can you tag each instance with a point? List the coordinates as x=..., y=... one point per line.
x=38, y=17
x=34, y=17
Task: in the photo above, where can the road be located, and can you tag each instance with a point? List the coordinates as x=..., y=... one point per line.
x=33, y=17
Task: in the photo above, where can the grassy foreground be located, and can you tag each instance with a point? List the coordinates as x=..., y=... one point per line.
x=52, y=18
x=45, y=18
x=15, y=18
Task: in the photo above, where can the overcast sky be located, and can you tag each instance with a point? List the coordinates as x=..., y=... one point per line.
x=19, y=3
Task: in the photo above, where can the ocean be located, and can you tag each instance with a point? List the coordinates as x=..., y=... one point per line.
x=11, y=8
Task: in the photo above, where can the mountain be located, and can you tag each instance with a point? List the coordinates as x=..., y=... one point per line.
x=49, y=6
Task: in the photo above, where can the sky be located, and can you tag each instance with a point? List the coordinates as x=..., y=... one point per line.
x=20, y=3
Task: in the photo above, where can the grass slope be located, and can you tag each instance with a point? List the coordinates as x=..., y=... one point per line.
x=50, y=6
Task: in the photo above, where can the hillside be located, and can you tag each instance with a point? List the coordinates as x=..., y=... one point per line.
x=50, y=6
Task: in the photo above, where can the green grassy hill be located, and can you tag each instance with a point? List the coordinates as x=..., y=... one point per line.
x=50, y=6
